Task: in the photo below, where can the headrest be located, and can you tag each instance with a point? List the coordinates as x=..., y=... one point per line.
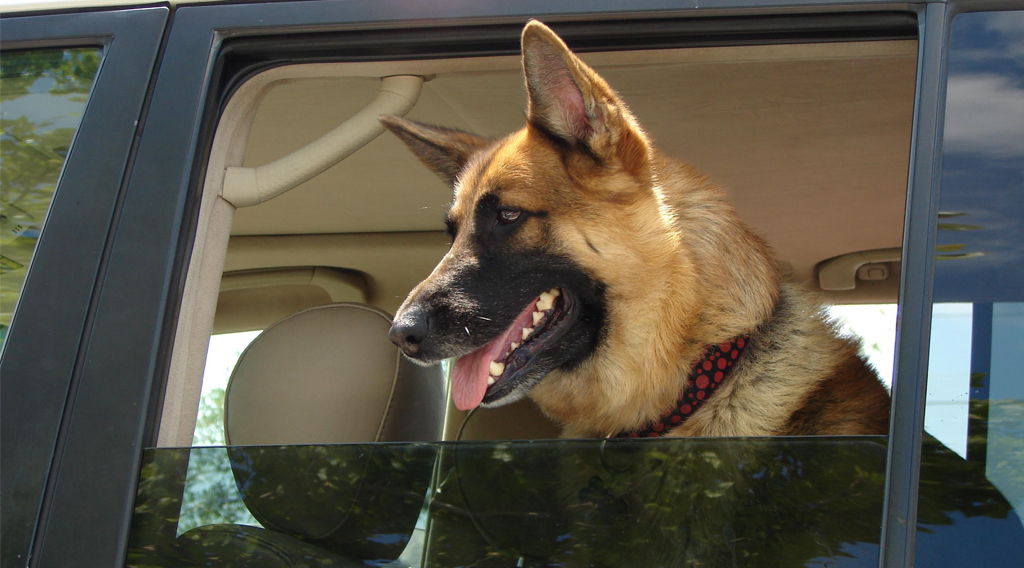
x=329, y=375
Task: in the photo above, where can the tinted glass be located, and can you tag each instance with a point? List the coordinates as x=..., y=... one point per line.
x=643, y=503
x=43, y=95
x=975, y=382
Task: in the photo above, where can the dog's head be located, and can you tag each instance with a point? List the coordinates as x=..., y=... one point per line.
x=539, y=225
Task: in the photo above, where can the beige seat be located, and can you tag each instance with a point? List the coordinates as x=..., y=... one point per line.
x=326, y=375
x=329, y=375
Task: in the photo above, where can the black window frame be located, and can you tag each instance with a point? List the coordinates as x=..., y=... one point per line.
x=124, y=362
x=44, y=345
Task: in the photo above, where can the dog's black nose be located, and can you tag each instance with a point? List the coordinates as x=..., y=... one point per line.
x=409, y=330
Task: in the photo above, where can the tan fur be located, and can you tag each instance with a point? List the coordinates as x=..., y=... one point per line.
x=681, y=270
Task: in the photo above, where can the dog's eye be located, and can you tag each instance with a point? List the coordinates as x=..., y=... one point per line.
x=508, y=216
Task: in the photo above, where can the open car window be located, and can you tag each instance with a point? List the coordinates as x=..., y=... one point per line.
x=373, y=225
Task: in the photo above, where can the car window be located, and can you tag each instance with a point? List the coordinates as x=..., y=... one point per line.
x=625, y=503
x=975, y=383
x=43, y=93
x=223, y=353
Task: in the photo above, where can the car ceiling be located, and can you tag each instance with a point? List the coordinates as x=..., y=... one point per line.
x=811, y=141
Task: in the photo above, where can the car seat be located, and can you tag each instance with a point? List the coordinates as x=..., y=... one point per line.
x=326, y=375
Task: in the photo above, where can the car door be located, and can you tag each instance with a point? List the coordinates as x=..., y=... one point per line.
x=125, y=364
x=74, y=91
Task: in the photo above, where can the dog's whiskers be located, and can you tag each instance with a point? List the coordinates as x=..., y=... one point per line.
x=467, y=330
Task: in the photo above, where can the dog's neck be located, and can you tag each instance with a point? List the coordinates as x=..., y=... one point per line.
x=708, y=373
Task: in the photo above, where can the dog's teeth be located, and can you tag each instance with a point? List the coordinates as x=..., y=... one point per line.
x=545, y=302
x=515, y=346
x=537, y=316
x=526, y=332
x=490, y=381
x=497, y=368
x=554, y=292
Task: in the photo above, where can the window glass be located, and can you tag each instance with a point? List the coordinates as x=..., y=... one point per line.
x=210, y=495
x=623, y=503
x=975, y=384
x=43, y=95
x=946, y=406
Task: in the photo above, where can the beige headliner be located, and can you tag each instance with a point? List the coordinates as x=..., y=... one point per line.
x=812, y=142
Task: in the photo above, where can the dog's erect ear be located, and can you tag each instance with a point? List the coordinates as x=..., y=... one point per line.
x=573, y=103
x=444, y=150
x=561, y=88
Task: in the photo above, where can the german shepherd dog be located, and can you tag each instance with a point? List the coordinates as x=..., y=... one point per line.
x=616, y=286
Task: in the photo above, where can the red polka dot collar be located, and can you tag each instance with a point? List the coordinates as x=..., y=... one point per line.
x=708, y=372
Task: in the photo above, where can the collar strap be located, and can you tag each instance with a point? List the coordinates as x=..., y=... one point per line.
x=708, y=373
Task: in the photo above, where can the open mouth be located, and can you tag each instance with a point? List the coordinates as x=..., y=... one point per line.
x=497, y=369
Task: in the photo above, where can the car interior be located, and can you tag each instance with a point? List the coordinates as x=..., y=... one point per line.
x=810, y=140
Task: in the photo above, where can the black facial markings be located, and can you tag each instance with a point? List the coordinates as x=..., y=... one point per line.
x=593, y=319
x=488, y=228
x=487, y=203
x=478, y=300
x=570, y=351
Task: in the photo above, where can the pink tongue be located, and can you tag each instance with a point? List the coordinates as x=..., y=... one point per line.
x=469, y=378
